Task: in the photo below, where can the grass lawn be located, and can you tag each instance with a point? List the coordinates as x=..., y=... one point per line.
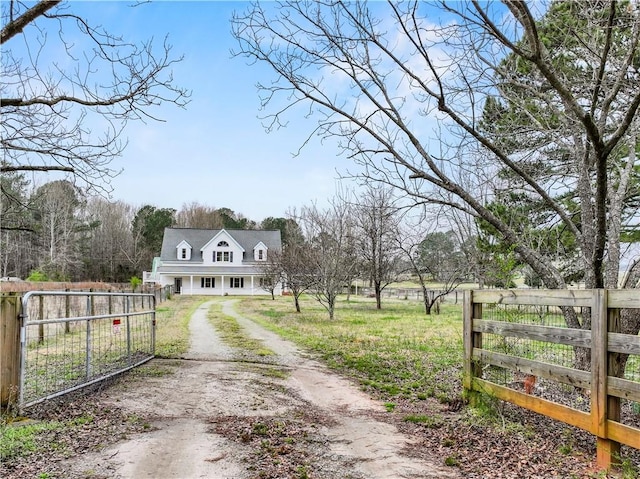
x=395, y=351
x=172, y=324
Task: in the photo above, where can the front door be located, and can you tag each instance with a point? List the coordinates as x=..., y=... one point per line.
x=177, y=285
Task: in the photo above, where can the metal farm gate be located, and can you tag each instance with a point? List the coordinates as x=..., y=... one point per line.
x=73, y=339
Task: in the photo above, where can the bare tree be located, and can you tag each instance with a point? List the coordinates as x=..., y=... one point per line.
x=295, y=260
x=17, y=226
x=376, y=220
x=430, y=263
x=329, y=259
x=58, y=206
x=110, y=245
x=401, y=72
x=271, y=272
x=49, y=112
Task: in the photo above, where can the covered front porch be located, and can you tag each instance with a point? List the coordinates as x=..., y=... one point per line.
x=222, y=285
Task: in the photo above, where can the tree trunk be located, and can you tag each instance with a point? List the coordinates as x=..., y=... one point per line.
x=296, y=297
x=426, y=300
x=427, y=307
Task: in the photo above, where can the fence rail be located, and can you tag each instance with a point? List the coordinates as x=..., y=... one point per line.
x=519, y=349
x=57, y=341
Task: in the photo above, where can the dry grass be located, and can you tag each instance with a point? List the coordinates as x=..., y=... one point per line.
x=396, y=351
x=172, y=324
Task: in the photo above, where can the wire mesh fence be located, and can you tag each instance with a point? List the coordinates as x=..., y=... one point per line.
x=72, y=339
x=587, y=375
x=543, y=351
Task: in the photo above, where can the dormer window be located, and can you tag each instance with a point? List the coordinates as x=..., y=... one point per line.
x=183, y=251
x=260, y=252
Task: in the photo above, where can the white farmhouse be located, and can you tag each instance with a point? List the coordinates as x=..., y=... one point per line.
x=214, y=262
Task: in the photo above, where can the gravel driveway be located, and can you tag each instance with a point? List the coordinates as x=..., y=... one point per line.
x=224, y=414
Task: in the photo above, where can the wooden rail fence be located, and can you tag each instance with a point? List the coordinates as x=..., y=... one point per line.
x=521, y=337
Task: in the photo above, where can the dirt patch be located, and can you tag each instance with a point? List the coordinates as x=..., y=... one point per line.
x=217, y=413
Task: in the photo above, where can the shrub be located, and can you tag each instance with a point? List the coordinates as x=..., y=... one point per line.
x=37, y=276
x=135, y=282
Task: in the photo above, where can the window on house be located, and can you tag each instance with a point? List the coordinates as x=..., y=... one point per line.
x=226, y=256
x=265, y=282
x=183, y=253
x=236, y=282
x=260, y=254
x=223, y=244
x=207, y=282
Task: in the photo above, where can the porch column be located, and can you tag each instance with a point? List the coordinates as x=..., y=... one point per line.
x=252, y=290
x=191, y=284
x=222, y=290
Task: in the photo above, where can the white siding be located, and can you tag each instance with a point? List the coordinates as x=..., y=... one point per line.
x=192, y=285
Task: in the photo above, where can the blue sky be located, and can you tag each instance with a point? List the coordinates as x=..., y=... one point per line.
x=216, y=151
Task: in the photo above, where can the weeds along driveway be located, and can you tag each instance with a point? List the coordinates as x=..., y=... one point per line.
x=228, y=413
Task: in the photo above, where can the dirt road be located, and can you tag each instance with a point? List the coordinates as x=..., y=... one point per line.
x=218, y=413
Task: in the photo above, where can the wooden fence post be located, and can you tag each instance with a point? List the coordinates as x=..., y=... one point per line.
x=10, y=308
x=603, y=407
x=614, y=369
x=471, y=340
x=41, y=317
x=67, y=311
x=92, y=303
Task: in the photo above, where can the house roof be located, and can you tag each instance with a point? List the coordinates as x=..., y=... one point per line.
x=197, y=238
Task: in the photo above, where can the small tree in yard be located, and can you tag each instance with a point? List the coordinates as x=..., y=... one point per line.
x=376, y=220
x=272, y=273
x=135, y=282
x=433, y=257
x=330, y=261
x=37, y=276
x=294, y=262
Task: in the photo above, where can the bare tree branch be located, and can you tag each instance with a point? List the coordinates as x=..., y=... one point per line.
x=15, y=26
x=74, y=120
